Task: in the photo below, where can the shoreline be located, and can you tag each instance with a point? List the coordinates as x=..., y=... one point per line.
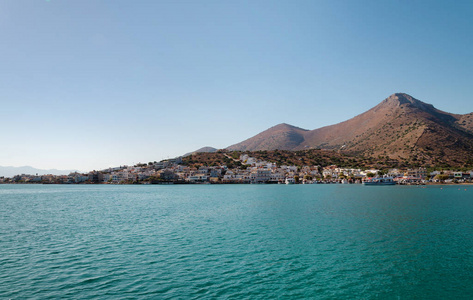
x=234, y=183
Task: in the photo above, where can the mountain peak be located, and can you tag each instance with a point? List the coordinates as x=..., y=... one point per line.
x=206, y=149
x=282, y=136
x=399, y=99
x=287, y=126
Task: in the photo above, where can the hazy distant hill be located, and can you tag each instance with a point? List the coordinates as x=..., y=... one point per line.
x=202, y=150
x=400, y=127
x=12, y=171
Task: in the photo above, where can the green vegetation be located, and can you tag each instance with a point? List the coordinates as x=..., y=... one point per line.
x=323, y=158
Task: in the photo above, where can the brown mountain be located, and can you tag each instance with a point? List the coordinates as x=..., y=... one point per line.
x=400, y=127
x=282, y=136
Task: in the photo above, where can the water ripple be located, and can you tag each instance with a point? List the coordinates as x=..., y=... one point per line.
x=235, y=242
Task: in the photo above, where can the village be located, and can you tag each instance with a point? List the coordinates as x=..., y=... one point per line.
x=252, y=171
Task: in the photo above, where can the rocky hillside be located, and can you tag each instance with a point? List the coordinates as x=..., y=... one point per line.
x=400, y=127
x=282, y=137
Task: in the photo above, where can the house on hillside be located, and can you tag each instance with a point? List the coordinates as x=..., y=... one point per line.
x=168, y=175
x=462, y=175
x=198, y=178
x=277, y=176
x=260, y=175
x=417, y=173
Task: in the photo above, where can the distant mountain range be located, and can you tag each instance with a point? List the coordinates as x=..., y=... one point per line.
x=400, y=127
x=12, y=171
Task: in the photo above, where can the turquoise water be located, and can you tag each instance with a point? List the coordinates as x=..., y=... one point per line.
x=236, y=242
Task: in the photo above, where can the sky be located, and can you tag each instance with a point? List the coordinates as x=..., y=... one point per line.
x=90, y=84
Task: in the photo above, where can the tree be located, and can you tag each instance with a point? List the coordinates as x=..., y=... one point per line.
x=441, y=177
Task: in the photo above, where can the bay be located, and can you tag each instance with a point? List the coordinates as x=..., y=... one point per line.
x=236, y=242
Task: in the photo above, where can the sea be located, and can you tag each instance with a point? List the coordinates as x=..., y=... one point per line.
x=326, y=241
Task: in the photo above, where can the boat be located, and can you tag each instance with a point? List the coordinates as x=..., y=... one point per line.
x=379, y=181
x=290, y=180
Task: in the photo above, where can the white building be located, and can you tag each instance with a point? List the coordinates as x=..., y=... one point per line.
x=277, y=177
x=198, y=178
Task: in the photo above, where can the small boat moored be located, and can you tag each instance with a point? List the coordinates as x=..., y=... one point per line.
x=290, y=180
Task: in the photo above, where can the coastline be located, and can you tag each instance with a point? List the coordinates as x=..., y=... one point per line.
x=234, y=183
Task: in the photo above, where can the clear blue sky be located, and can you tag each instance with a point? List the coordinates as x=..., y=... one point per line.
x=89, y=84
